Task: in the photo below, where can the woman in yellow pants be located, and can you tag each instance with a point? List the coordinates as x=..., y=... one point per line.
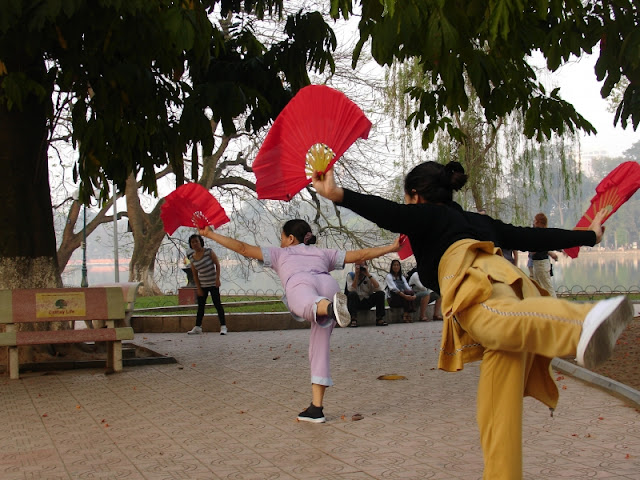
x=492, y=310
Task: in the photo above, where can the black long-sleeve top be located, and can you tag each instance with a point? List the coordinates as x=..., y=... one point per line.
x=432, y=228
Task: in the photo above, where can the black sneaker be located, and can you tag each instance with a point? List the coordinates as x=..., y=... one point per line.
x=312, y=414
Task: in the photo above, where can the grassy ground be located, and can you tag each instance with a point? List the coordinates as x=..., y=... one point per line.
x=227, y=301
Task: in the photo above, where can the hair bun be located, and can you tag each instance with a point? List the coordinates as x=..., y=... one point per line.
x=309, y=239
x=453, y=167
x=456, y=176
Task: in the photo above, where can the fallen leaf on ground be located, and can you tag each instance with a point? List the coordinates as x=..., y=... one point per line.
x=392, y=376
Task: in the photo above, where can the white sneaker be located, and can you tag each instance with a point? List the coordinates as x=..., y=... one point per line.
x=223, y=329
x=601, y=328
x=340, y=310
x=195, y=331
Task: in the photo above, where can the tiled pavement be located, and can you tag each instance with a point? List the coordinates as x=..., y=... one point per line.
x=227, y=411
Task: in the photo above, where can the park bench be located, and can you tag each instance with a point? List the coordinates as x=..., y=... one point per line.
x=130, y=293
x=26, y=306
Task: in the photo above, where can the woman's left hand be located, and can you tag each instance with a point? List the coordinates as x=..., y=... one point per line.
x=325, y=185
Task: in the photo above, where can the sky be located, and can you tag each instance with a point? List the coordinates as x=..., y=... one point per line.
x=578, y=85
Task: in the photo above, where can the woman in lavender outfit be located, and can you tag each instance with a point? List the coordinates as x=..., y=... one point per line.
x=311, y=293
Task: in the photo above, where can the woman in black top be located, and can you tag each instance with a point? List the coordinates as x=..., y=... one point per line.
x=492, y=310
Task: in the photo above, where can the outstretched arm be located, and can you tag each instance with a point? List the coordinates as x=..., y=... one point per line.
x=353, y=256
x=244, y=249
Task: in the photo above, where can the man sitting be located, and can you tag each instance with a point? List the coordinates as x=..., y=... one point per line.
x=363, y=292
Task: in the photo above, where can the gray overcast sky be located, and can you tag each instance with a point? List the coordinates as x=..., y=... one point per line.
x=579, y=86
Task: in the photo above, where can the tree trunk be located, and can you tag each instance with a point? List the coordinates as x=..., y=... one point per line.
x=148, y=229
x=28, y=249
x=148, y=233
x=72, y=241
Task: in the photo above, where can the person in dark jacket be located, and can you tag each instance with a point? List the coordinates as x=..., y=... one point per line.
x=492, y=310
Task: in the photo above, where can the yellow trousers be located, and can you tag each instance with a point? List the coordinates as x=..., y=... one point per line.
x=513, y=331
x=517, y=329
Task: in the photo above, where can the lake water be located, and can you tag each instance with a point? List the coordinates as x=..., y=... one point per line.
x=597, y=270
x=592, y=270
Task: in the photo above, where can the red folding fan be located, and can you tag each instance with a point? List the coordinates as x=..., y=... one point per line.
x=311, y=133
x=613, y=191
x=405, y=247
x=191, y=205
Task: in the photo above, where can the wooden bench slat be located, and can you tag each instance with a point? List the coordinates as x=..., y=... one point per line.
x=67, y=336
x=61, y=304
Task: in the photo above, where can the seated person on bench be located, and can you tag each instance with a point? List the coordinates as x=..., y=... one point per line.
x=363, y=292
x=425, y=296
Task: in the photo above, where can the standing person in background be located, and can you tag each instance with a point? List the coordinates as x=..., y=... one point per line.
x=493, y=311
x=205, y=268
x=511, y=255
x=399, y=293
x=363, y=292
x=311, y=293
x=541, y=265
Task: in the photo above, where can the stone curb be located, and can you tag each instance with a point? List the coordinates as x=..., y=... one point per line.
x=601, y=381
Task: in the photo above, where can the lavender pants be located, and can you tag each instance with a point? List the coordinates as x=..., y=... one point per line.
x=304, y=291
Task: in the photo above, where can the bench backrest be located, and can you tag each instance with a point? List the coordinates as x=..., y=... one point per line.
x=129, y=290
x=61, y=304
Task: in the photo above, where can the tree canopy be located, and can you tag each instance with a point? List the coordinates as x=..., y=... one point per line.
x=149, y=77
x=491, y=44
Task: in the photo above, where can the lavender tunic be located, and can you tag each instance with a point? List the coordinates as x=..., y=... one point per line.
x=304, y=273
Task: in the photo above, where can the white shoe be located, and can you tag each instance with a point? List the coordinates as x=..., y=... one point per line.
x=195, y=331
x=223, y=329
x=340, y=310
x=600, y=330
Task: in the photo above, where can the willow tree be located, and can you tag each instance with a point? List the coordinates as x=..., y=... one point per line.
x=506, y=169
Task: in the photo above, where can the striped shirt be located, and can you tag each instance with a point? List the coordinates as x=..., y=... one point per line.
x=206, y=269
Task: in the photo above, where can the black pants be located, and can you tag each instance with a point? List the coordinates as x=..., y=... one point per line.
x=396, y=301
x=375, y=300
x=215, y=296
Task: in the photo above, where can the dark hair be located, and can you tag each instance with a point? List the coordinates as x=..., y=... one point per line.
x=391, y=267
x=300, y=230
x=195, y=235
x=435, y=182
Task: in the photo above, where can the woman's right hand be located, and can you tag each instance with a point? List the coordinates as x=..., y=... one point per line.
x=203, y=231
x=596, y=226
x=325, y=185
